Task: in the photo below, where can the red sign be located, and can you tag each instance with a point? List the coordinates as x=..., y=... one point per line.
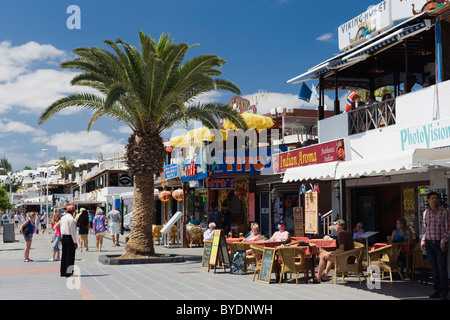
x=191, y=170
x=321, y=153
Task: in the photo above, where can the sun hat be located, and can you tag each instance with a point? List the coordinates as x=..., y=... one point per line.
x=339, y=222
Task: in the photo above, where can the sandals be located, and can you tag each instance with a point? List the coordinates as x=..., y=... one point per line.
x=27, y=260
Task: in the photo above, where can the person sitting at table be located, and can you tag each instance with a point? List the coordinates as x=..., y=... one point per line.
x=281, y=235
x=402, y=234
x=327, y=259
x=358, y=231
x=209, y=233
x=254, y=235
x=194, y=221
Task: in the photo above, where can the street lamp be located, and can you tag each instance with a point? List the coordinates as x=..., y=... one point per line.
x=46, y=165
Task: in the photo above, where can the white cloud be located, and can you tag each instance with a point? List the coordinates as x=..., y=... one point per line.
x=325, y=37
x=83, y=142
x=10, y=126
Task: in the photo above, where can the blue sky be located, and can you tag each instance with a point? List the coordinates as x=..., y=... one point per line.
x=265, y=43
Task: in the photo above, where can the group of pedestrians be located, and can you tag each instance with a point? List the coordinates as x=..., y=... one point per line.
x=65, y=233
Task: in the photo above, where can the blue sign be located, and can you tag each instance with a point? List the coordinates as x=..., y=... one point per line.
x=171, y=171
x=193, y=170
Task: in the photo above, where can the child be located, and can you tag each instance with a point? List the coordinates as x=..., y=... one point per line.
x=56, y=238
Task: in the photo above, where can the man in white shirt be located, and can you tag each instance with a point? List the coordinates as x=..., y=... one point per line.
x=114, y=223
x=69, y=242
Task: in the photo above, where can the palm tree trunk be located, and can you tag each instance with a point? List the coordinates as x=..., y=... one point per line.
x=141, y=239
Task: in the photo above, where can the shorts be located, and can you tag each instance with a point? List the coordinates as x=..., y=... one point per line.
x=83, y=230
x=115, y=228
x=56, y=241
x=101, y=234
x=28, y=237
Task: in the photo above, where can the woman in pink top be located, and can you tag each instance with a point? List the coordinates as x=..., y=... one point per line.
x=56, y=237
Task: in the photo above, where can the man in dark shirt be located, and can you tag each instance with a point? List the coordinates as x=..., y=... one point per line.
x=215, y=216
x=227, y=217
x=327, y=259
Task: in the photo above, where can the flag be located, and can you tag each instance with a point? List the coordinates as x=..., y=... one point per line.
x=314, y=91
x=305, y=93
x=316, y=188
x=303, y=189
x=351, y=101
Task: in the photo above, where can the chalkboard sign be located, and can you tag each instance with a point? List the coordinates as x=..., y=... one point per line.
x=219, y=251
x=266, y=265
x=238, y=263
x=206, y=254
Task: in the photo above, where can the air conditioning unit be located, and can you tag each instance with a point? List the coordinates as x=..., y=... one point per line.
x=289, y=110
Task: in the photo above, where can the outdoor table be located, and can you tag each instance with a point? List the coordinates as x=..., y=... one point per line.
x=405, y=246
x=323, y=243
x=232, y=240
x=271, y=244
x=304, y=239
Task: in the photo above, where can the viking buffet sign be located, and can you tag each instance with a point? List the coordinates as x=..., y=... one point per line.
x=322, y=153
x=370, y=23
x=404, y=9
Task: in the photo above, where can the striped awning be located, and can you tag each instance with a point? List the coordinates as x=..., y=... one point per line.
x=362, y=52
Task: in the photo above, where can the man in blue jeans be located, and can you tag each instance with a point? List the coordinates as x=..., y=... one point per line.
x=436, y=230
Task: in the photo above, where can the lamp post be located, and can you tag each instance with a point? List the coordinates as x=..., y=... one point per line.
x=275, y=112
x=46, y=198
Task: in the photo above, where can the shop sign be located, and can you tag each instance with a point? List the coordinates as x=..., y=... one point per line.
x=428, y=136
x=219, y=183
x=254, y=161
x=193, y=170
x=402, y=9
x=171, y=171
x=311, y=213
x=376, y=19
x=316, y=154
x=125, y=179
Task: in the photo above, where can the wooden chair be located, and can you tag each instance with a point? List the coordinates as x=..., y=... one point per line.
x=195, y=236
x=289, y=264
x=419, y=261
x=258, y=252
x=157, y=235
x=386, y=259
x=173, y=234
x=249, y=258
x=349, y=261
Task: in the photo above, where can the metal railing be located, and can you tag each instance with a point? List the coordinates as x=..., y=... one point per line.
x=373, y=116
x=327, y=220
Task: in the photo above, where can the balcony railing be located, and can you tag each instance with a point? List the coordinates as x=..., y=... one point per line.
x=373, y=116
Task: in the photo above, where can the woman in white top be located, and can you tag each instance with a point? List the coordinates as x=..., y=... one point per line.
x=209, y=234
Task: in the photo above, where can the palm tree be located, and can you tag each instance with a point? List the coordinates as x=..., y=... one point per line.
x=150, y=90
x=64, y=165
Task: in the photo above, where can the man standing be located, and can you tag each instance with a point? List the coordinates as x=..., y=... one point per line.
x=114, y=223
x=227, y=217
x=69, y=242
x=436, y=230
x=215, y=216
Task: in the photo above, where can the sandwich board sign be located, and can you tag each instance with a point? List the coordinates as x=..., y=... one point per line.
x=219, y=251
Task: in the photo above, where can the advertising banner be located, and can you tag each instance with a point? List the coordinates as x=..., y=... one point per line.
x=311, y=213
x=405, y=9
x=376, y=19
x=321, y=153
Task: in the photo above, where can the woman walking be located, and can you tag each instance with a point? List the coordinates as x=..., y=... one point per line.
x=27, y=229
x=83, y=229
x=99, y=228
x=56, y=237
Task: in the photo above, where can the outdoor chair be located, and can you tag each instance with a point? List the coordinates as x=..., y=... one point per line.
x=349, y=261
x=195, y=236
x=157, y=235
x=386, y=259
x=173, y=234
x=419, y=261
x=258, y=252
x=289, y=255
x=249, y=258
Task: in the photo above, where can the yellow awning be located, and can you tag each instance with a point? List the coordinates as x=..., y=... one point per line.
x=253, y=121
x=195, y=137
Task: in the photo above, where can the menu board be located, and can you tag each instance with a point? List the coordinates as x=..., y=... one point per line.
x=311, y=213
x=238, y=263
x=266, y=265
x=219, y=250
x=206, y=254
x=298, y=222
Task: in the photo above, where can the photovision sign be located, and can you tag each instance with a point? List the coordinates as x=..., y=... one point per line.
x=429, y=136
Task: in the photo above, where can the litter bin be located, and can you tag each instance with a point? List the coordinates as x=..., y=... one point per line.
x=8, y=232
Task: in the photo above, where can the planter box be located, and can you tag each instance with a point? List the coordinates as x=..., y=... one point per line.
x=112, y=259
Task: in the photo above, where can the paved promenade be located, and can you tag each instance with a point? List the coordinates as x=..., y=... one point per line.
x=184, y=281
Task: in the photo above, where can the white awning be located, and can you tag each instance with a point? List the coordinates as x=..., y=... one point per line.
x=323, y=171
x=403, y=162
x=409, y=161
